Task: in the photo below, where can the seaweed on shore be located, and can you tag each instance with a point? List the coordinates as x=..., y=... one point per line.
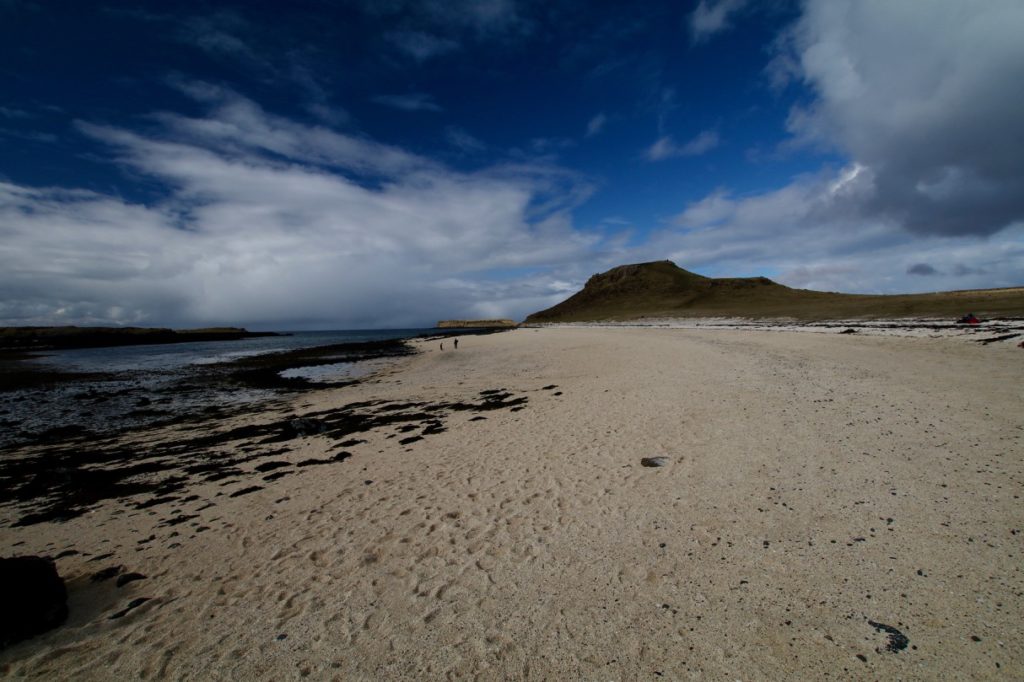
x=57, y=481
x=107, y=402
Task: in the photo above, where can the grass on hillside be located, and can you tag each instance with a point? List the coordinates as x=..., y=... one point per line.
x=664, y=290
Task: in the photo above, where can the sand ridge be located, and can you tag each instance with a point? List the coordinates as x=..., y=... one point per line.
x=816, y=485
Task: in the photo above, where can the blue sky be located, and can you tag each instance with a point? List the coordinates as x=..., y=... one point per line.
x=390, y=163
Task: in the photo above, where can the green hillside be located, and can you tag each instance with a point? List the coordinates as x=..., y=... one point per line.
x=662, y=289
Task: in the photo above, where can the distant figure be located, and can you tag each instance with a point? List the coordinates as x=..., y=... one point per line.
x=456, y=344
x=442, y=345
x=969, y=318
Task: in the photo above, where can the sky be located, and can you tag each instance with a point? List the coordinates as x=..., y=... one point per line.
x=389, y=163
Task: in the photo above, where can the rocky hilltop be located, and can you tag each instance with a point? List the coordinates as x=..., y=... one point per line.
x=663, y=289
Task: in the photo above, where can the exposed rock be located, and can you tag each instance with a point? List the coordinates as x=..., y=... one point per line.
x=33, y=596
x=306, y=426
x=897, y=641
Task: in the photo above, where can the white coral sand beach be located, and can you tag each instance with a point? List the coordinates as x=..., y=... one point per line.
x=831, y=506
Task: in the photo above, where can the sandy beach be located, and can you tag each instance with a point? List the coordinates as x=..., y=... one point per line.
x=831, y=506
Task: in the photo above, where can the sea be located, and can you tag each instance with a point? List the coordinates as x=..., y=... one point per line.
x=141, y=385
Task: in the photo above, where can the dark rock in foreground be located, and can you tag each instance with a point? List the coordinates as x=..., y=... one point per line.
x=33, y=596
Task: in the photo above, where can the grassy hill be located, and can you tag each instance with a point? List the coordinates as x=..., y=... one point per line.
x=662, y=289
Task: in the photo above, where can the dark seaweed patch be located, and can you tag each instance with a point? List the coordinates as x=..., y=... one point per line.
x=181, y=518
x=101, y=557
x=339, y=457
x=60, y=481
x=897, y=640
x=123, y=580
x=246, y=491
x=152, y=502
x=106, y=574
x=133, y=604
x=1003, y=337
x=270, y=466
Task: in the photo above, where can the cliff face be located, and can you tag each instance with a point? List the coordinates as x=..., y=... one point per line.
x=475, y=324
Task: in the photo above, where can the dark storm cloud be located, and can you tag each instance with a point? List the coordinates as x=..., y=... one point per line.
x=927, y=97
x=921, y=269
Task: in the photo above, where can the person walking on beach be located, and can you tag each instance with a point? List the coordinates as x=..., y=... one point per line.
x=442, y=345
x=456, y=344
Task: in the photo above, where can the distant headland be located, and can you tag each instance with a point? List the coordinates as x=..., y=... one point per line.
x=52, y=338
x=476, y=324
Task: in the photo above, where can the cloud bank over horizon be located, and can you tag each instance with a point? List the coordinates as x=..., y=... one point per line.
x=270, y=222
x=892, y=166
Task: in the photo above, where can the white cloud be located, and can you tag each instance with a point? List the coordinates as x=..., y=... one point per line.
x=926, y=96
x=815, y=233
x=666, y=148
x=596, y=125
x=711, y=17
x=9, y=112
x=413, y=101
x=278, y=224
x=421, y=46
x=427, y=29
x=463, y=141
x=924, y=101
x=219, y=34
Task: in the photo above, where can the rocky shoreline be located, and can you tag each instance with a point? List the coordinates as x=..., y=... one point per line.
x=44, y=405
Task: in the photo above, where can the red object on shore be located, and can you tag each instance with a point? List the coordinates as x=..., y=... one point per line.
x=969, y=318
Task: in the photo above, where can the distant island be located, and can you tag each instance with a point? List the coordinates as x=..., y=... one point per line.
x=475, y=324
x=663, y=289
x=52, y=338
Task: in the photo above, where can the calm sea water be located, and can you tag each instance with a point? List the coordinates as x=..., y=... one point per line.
x=147, y=384
x=177, y=356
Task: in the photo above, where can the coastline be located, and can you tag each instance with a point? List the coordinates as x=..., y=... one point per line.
x=490, y=516
x=988, y=331
x=108, y=390
x=15, y=340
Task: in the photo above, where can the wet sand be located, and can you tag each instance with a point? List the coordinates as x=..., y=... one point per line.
x=842, y=506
